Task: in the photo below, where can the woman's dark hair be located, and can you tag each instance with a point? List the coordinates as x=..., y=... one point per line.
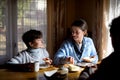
x=30, y=36
x=82, y=24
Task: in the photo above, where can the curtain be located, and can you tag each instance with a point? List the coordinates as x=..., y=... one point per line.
x=100, y=31
x=106, y=10
x=60, y=29
x=114, y=11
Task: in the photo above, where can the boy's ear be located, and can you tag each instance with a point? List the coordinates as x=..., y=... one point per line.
x=30, y=43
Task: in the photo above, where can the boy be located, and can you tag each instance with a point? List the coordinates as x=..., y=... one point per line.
x=35, y=51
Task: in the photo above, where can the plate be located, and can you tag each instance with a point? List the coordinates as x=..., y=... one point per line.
x=85, y=64
x=44, y=66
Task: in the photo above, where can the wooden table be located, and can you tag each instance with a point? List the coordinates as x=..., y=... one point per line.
x=6, y=74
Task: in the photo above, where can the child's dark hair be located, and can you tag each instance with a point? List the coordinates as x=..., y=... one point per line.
x=30, y=36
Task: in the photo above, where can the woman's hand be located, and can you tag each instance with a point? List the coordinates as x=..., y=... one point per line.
x=70, y=60
x=88, y=59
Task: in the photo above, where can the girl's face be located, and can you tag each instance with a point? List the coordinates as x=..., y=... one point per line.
x=77, y=34
x=37, y=43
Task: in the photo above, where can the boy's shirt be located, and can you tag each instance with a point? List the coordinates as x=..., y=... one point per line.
x=30, y=56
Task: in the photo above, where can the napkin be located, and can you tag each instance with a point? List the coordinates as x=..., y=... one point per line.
x=50, y=73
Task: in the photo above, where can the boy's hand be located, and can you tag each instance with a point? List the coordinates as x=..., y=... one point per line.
x=48, y=60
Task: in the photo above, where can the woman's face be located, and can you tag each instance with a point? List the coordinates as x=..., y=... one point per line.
x=77, y=34
x=37, y=43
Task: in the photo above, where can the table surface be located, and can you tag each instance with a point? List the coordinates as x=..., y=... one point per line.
x=6, y=74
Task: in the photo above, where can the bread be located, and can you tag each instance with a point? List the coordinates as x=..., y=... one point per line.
x=73, y=67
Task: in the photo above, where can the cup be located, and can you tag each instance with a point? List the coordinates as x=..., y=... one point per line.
x=36, y=66
x=63, y=70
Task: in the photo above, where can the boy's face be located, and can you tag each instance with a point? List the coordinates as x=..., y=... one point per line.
x=37, y=43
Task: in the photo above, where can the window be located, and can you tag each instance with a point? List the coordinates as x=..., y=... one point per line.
x=31, y=15
x=16, y=17
x=2, y=30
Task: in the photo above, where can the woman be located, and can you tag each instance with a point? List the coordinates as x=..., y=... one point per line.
x=78, y=48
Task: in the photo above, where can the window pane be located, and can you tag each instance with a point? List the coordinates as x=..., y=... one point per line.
x=2, y=28
x=31, y=15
